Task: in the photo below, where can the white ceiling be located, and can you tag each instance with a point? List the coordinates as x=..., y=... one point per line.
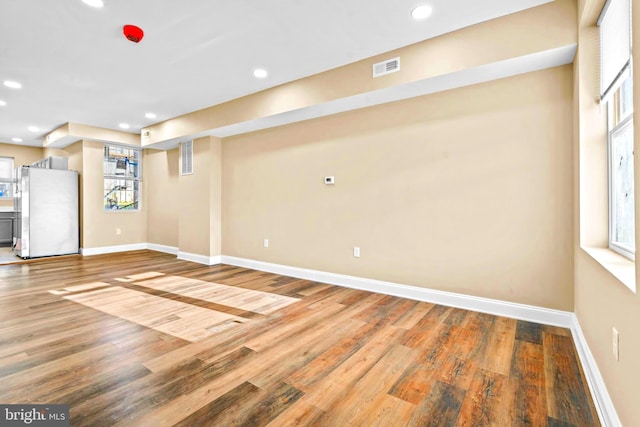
x=76, y=66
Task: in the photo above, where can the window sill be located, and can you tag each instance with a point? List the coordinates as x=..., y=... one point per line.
x=620, y=267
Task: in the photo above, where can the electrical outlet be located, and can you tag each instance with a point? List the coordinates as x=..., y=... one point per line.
x=356, y=252
x=616, y=344
x=265, y=243
x=118, y=231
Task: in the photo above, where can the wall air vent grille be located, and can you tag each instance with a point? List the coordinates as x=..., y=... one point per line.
x=186, y=158
x=386, y=67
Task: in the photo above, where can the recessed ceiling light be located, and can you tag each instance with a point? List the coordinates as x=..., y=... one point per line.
x=124, y=126
x=421, y=12
x=12, y=84
x=260, y=73
x=150, y=115
x=2, y=103
x=33, y=129
x=16, y=139
x=93, y=3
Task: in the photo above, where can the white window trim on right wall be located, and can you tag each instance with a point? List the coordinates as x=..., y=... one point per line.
x=616, y=80
x=628, y=252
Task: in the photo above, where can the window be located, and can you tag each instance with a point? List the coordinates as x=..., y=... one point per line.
x=621, y=153
x=621, y=200
x=616, y=90
x=6, y=177
x=122, y=178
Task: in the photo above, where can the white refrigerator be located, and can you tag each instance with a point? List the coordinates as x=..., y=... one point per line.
x=46, y=212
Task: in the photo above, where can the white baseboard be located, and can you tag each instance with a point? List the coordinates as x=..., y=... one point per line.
x=163, y=248
x=187, y=256
x=602, y=400
x=485, y=305
x=112, y=249
x=200, y=259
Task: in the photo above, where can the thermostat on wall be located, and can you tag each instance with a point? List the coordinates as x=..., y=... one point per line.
x=329, y=180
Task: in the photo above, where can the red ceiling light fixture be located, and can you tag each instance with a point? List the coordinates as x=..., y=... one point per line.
x=133, y=33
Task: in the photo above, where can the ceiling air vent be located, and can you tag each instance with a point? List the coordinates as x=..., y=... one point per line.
x=386, y=67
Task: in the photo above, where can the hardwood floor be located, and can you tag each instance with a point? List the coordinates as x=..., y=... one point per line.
x=143, y=339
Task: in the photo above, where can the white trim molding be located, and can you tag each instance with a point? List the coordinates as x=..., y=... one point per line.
x=485, y=305
x=162, y=248
x=112, y=249
x=604, y=405
x=187, y=256
x=200, y=259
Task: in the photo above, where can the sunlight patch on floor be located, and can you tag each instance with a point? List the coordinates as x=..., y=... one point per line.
x=175, y=318
x=79, y=288
x=166, y=314
x=230, y=296
x=140, y=276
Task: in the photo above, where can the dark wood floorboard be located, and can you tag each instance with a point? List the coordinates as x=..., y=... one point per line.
x=143, y=339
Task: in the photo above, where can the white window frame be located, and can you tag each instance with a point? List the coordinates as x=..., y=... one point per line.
x=133, y=179
x=615, y=68
x=615, y=246
x=9, y=178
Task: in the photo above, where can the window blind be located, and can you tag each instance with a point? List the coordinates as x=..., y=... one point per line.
x=615, y=45
x=6, y=169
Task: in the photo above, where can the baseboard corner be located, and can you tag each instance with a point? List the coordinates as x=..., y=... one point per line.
x=601, y=398
x=200, y=259
x=172, y=250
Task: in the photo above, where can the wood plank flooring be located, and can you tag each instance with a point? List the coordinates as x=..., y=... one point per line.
x=143, y=339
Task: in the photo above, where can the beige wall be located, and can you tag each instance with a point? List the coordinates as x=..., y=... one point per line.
x=99, y=226
x=215, y=197
x=74, y=154
x=162, y=202
x=22, y=155
x=602, y=301
x=199, y=195
x=467, y=191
